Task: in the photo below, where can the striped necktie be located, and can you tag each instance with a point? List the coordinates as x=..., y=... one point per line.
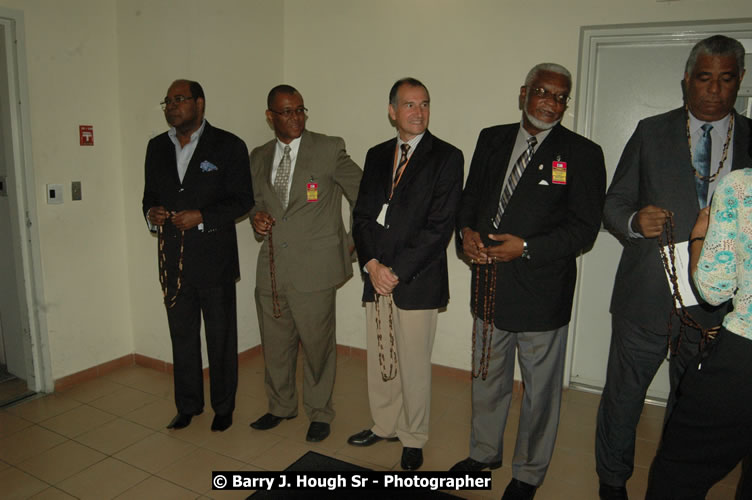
x=514, y=178
x=405, y=147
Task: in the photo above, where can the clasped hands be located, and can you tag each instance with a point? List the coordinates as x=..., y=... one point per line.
x=183, y=220
x=382, y=278
x=511, y=247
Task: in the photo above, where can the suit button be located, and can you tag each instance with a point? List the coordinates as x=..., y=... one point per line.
x=284, y=245
x=387, y=226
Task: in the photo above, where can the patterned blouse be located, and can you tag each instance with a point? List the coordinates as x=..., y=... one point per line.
x=725, y=266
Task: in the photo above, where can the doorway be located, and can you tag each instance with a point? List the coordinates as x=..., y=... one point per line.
x=22, y=366
x=627, y=73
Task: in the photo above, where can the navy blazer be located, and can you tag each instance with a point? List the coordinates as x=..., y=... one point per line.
x=558, y=222
x=419, y=220
x=218, y=183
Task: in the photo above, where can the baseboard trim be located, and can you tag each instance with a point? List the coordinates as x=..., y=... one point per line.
x=166, y=367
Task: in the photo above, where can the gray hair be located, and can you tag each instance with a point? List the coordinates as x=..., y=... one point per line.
x=412, y=82
x=551, y=67
x=716, y=45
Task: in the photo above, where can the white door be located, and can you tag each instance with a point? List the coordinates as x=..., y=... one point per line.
x=24, y=351
x=626, y=74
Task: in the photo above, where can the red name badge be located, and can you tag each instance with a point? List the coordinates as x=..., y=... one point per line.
x=312, y=189
x=559, y=172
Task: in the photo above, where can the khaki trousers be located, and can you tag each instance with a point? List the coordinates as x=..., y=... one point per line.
x=401, y=406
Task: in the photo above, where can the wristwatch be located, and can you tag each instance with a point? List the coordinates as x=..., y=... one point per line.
x=525, y=253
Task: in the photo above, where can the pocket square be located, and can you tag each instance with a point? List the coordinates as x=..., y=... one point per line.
x=207, y=166
x=543, y=182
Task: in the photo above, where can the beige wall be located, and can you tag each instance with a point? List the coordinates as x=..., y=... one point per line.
x=473, y=55
x=107, y=63
x=73, y=80
x=234, y=48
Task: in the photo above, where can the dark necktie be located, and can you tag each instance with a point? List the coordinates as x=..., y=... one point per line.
x=282, y=179
x=405, y=147
x=701, y=162
x=514, y=178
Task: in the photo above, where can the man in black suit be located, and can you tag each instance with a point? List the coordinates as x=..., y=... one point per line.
x=403, y=220
x=657, y=175
x=531, y=205
x=198, y=181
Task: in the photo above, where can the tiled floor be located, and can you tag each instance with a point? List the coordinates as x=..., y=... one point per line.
x=11, y=388
x=107, y=439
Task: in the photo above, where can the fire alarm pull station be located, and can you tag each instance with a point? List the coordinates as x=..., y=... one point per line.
x=86, y=135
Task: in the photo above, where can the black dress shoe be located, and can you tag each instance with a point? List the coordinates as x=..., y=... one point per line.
x=519, y=490
x=317, y=431
x=608, y=492
x=366, y=438
x=221, y=422
x=181, y=420
x=269, y=421
x=412, y=458
x=470, y=465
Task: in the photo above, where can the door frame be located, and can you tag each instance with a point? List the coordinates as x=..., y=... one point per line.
x=592, y=38
x=30, y=282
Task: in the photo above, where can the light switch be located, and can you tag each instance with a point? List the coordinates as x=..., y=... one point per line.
x=76, y=191
x=54, y=194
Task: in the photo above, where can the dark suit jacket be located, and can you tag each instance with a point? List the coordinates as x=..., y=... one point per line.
x=419, y=220
x=218, y=183
x=655, y=168
x=311, y=248
x=558, y=221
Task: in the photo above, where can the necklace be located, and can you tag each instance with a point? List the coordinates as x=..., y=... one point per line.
x=169, y=302
x=386, y=376
x=489, y=300
x=276, y=311
x=679, y=309
x=710, y=178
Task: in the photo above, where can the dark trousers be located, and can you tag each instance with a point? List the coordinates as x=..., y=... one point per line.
x=710, y=429
x=218, y=306
x=633, y=359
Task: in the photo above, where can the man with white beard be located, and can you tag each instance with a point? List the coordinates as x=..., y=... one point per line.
x=532, y=203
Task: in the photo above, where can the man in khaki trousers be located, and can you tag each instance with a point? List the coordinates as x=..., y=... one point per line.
x=403, y=221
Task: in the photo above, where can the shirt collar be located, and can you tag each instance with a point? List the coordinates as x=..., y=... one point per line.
x=412, y=142
x=173, y=133
x=719, y=126
x=540, y=136
x=294, y=146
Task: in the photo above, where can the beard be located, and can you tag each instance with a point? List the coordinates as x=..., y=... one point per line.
x=539, y=124
x=535, y=122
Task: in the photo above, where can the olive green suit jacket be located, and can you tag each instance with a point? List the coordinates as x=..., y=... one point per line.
x=311, y=245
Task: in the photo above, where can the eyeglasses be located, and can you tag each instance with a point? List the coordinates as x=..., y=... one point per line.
x=289, y=112
x=545, y=94
x=178, y=99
